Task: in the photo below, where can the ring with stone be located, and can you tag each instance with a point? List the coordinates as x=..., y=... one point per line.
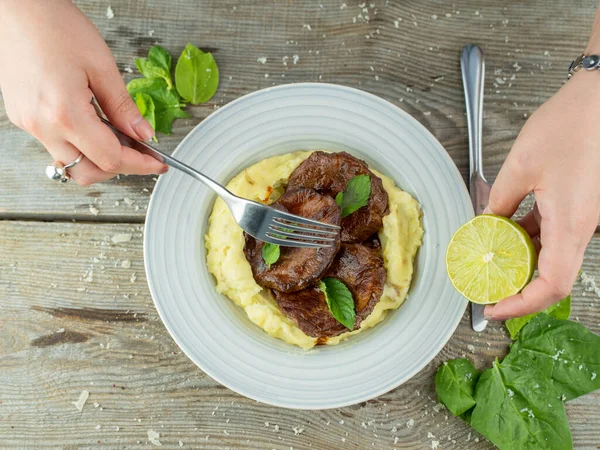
x=58, y=171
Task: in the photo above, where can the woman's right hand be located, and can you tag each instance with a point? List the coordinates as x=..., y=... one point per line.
x=52, y=61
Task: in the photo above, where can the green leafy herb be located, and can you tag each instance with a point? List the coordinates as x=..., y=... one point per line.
x=565, y=351
x=167, y=104
x=146, y=106
x=270, y=253
x=455, y=385
x=356, y=195
x=560, y=310
x=518, y=403
x=160, y=57
x=339, y=300
x=518, y=408
x=196, y=75
x=157, y=65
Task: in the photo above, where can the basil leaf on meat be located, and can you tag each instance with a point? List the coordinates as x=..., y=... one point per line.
x=339, y=300
x=356, y=195
x=270, y=253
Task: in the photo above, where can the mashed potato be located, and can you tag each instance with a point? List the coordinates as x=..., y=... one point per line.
x=264, y=182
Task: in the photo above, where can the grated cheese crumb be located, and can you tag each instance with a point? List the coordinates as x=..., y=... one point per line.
x=110, y=13
x=94, y=210
x=435, y=444
x=79, y=404
x=410, y=423
x=123, y=237
x=153, y=437
x=125, y=264
x=262, y=60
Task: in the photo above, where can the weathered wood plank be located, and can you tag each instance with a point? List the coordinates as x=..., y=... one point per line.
x=72, y=320
x=409, y=58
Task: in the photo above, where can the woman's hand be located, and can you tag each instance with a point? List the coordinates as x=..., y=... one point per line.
x=52, y=61
x=557, y=157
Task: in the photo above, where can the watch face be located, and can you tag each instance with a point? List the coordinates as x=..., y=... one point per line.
x=591, y=62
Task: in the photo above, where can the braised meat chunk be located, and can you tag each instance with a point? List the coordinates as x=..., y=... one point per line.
x=360, y=269
x=329, y=174
x=296, y=268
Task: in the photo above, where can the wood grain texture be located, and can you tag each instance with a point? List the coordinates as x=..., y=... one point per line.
x=404, y=51
x=73, y=320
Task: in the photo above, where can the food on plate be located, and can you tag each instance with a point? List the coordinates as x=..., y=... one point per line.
x=360, y=269
x=296, y=268
x=305, y=296
x=330, y=173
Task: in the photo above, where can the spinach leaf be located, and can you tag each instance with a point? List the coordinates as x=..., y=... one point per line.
x=565, y=351
x=560, y=310
x=270, y=253
x=455, y=385
x=339, y=300
x=518, y=408
x=196, y=75
x=167, y=104
x=356, y=195
x=146, y=106
x=158, y=65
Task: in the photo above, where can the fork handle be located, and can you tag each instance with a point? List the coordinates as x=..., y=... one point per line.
x=148, y=149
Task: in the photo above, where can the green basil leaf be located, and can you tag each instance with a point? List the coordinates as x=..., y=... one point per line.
x=455, y=383
x=167, y=104
x=160, y=57
x=150, y=70
x=145, y=105
x=356, y=195
x=270, y=253
x=565, y=351
x=196, y=75
x=339, y=300
x=518, y=408
x=560, y=310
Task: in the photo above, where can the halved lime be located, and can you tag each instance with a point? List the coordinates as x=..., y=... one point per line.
x=490, y=258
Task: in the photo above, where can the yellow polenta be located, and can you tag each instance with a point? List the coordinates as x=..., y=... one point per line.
x=265, y=181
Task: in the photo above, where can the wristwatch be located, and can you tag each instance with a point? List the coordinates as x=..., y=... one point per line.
x=589, y=62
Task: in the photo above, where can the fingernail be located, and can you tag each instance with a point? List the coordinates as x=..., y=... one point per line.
x=163, y=169
x=487, y=210
x=144, y=130
x=488, y=313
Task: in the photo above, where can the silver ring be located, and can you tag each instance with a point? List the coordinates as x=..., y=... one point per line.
x=58, y=171
x=79, y=158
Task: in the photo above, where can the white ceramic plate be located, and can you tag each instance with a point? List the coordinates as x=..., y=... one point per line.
x=216, y=334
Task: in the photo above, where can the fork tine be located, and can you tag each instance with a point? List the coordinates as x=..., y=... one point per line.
x=291, y=242
x=279, y=216
x=325, y=233
x=300, y=235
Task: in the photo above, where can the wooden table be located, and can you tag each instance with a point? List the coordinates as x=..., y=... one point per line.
x=74, y=316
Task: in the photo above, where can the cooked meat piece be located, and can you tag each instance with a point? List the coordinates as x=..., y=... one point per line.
x=296, y=268
x=308, y=308
x=329, y=173
x=360, y=269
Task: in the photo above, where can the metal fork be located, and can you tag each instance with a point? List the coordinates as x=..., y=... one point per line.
x=260, y=221
x=473, y=72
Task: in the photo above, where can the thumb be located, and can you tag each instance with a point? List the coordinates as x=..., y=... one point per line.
x=112, y=96
x=512, y=185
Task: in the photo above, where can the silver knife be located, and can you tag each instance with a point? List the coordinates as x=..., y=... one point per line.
x=473, y=72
